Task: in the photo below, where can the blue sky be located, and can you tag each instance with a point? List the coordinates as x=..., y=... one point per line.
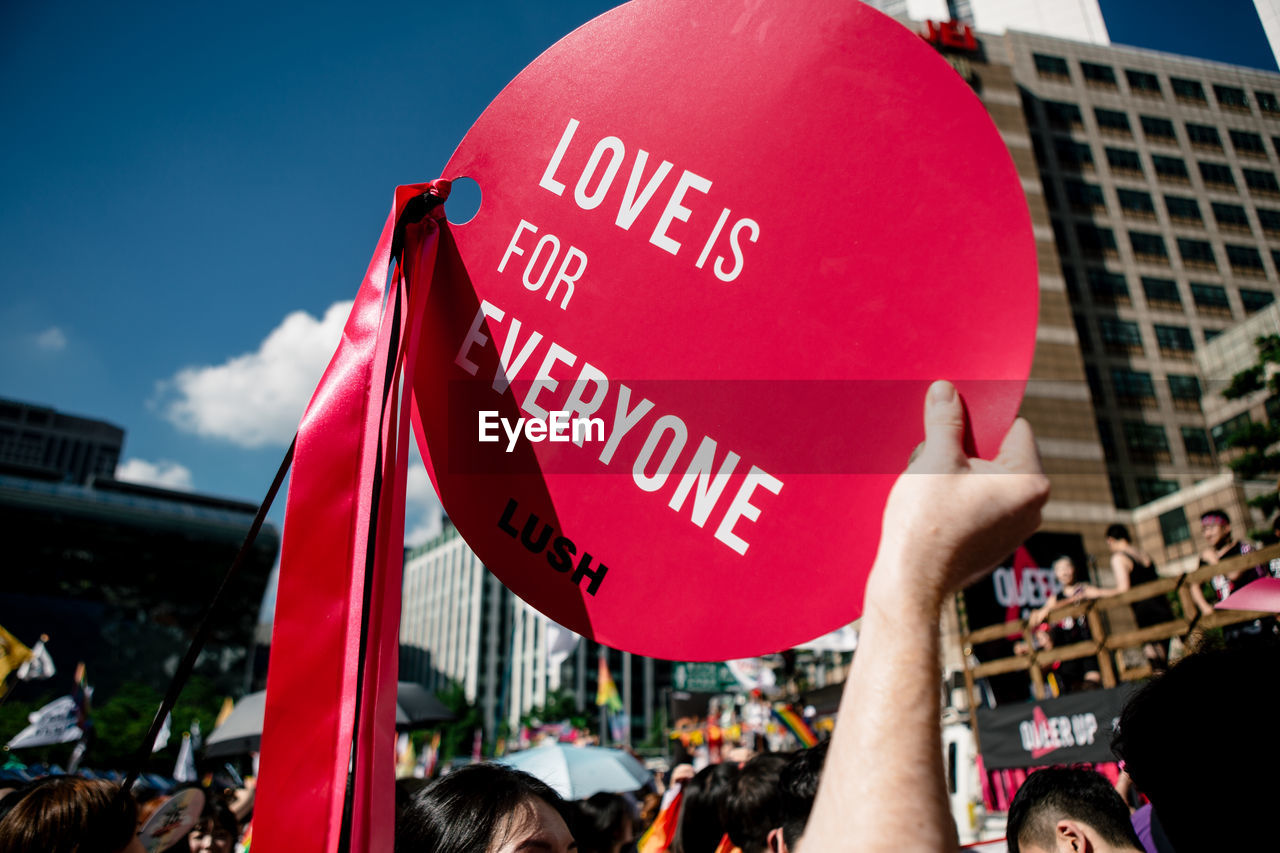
x=178, y=179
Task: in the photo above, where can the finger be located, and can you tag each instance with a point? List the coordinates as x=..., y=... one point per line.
x=943, y=426
x=1018, y=451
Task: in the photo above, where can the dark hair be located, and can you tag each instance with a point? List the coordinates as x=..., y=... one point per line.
x=1118, y=531
x=217, y=812
x=598, y=822
x=701, y=823
x=1217, y=512
x=68, y=814
x=462, y=811
x=1055, y=793
x=754, y=804
x=1200, y=700
x=798, y=784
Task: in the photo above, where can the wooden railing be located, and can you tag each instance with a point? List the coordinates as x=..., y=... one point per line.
x=1104, y=642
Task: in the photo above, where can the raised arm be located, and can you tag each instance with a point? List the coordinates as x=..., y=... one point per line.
x=949, y=520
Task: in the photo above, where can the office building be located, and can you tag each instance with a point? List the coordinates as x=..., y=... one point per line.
x=43, y=442
x=1072, y=19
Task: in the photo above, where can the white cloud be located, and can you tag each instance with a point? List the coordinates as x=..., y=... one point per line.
x=257, y=398
x=165, y=473
x=422, y=512
x=52, y=339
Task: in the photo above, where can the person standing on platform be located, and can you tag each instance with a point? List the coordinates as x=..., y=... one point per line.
x=1132, y=567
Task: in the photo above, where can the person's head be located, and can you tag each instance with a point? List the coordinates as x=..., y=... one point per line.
x=68, y=814
x=1064, y=569
x=798, y=785
x=754, y=805
x=1118, y=537
x=1218, y=702
x=1065, y=809
x=701, y=823
x=1216, y=526
x=602, y=823
x=217, y=830
x=484, y=808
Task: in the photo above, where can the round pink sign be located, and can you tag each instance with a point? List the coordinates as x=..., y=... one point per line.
x=723, y=249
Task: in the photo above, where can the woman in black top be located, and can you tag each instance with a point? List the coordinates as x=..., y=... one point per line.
x=1131, y=568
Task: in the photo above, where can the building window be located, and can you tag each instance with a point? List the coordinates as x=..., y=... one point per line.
x=1174, y=340
x=1142, y=82
x=1112, y=121
x=1084, y=196
x=1158, y=129
x=1255, y=300
x=1073, y=155
x=1204, y=136
x=1228, y=428
x=1275, y=258
x=1062, y=115
x=1217, y=174
x=1174, y=527
x=1151, y=489
x=1108, y=287
x=1248, y=144
x=1210, y=334
x=1095, y=240
x=1272, y=407
x=1212, y=297
x=1196, y=441
x=1230, y=216
x=1161, y=291
x=1120, y=336
x=1136, y=202
x=1231, y=97
x=1182, y=208
x=1118, y=492
x=1051, y=66
x=1145, y=440
x=1098, y=75
x=1132, y=385
x=1269, y=219
x=1267, y=102
x=1124, y=160
x=1069, y=276
x=1147, y=245
x=1261, y=182
x=1245, y=260
x=1182, y=387
x=1187, y=90
x=1197, y=253
x=1170, y=168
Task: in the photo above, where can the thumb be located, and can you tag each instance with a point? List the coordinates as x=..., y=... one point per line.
x=943, y=428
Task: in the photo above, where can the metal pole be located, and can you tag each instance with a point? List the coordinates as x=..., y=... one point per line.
x=626, y=695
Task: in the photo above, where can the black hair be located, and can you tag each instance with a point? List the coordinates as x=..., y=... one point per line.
x=68, y=814
x=1118, y=531
x=754, y=804
x=798, y=784
x=598, y=821
x=1055, y=793
x=219, y=813
x=462, y=811
x=701, y=823
x=1216, y=700
x=1216, y=511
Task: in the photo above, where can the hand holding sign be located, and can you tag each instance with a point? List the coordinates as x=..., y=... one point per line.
x=722, y=251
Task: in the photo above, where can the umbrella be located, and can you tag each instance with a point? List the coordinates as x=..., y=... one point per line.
x=241, y=731
x=577, y=772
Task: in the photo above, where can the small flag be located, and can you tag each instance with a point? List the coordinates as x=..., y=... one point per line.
x=82, y=694
x=162, y=737
x=13, y=655
x=184, y=769
x=795, y=724
x=54, y=723
x=227, y=707
x=39, y=666
x=658, y=837
x=606, y=691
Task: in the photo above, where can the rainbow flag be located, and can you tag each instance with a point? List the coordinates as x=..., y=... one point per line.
x=795, y=724
x=658, y=837
x=606, y=691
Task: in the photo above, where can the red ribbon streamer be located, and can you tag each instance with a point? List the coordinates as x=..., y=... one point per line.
x=334, y=647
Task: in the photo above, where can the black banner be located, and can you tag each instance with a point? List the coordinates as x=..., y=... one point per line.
x=1073, y=728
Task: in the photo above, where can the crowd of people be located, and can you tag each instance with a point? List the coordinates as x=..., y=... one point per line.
x=1193, y=741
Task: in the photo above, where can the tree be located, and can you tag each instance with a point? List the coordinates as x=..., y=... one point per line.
x=457, y=736
x=1258, y=459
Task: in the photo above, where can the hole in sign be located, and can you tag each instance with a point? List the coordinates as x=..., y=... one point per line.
x=464, y=201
